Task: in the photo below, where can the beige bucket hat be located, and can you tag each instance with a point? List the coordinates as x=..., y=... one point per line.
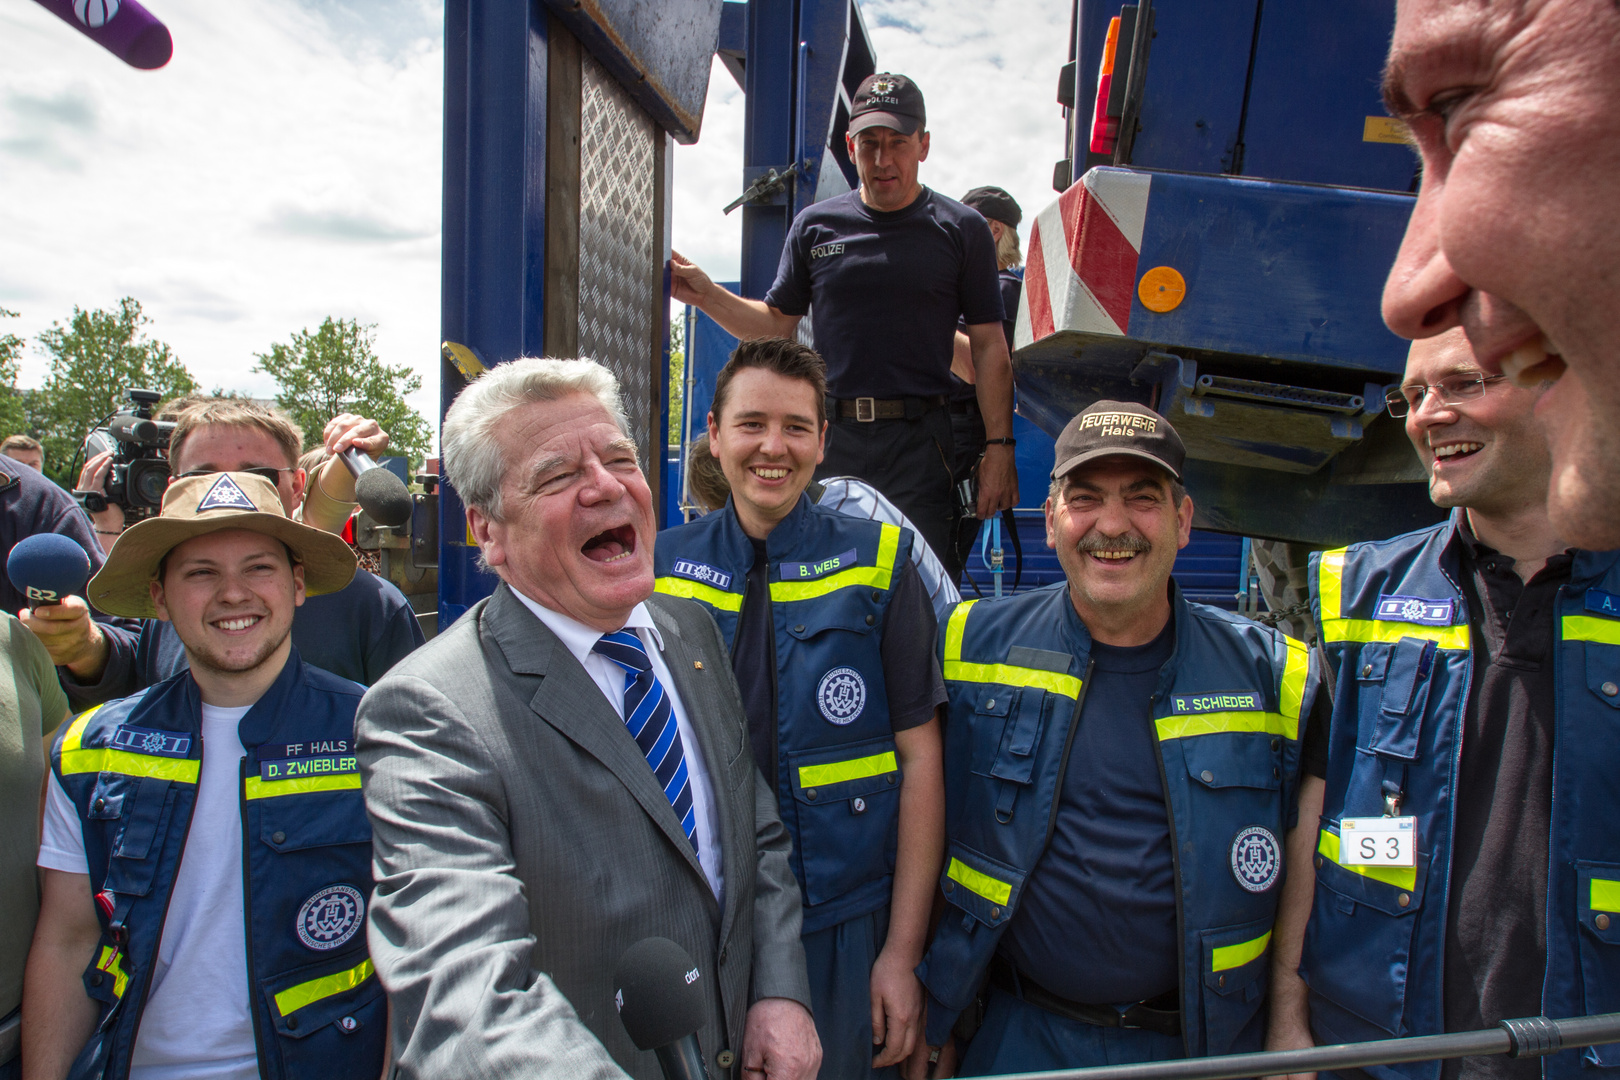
x=196, y=506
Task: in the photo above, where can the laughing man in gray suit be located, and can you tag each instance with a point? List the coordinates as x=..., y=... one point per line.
x=565, y=771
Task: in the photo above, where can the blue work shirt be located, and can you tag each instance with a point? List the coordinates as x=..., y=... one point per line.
x=884, y=290
x=1105, y=889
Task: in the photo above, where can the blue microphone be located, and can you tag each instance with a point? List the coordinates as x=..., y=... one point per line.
x=48, y=567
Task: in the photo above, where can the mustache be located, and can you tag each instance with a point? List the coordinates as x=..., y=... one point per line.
x=1094, y=542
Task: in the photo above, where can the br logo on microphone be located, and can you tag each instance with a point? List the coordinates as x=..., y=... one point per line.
x=42, y=596
x=95, y=13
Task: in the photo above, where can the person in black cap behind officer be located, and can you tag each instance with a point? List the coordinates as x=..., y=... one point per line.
x=888, y=269
x=1003, y=214
x=1119, y=766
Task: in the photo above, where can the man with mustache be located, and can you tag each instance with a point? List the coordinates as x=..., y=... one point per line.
x=1119, y=766
x=1516, y=233
x=1477, y=667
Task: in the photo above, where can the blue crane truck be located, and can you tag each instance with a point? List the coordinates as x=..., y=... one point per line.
x=1231, y=196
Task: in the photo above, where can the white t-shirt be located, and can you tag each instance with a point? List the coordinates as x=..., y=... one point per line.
x=197, y=1025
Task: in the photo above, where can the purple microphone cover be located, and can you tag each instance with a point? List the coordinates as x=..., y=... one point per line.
x=47, y=567
x=122, y=27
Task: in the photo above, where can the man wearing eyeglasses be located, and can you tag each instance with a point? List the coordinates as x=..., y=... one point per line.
x=358, y=632
x=1448, y=884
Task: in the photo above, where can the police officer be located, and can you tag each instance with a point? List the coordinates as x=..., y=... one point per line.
x=885, y=272
x=206, y=853
x=1003, y=214
x=1120, y=764
x=1471, y=754
x=831, y=636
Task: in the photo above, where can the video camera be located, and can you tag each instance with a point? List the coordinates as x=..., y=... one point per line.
x=140, y=466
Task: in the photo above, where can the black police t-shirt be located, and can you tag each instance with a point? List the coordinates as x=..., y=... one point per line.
x=1012, y=287
x=885, y=289
x=1105, y=889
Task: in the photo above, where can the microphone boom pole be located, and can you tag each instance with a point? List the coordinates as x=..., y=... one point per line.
x=1534, y=1036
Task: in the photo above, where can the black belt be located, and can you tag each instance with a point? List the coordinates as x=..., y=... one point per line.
x=1150, y=1015
x=967, y=406
x=865, y=409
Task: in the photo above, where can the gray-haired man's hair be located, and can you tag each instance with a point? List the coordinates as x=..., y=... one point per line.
x=473, y=462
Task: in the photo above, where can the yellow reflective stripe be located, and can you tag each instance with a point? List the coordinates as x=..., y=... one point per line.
x=1402, y=877
x=112, y=962
x=836, y=772
x=958, y=670
x=1330, y=589
x=1591, y=628
x=992, y=889
x=294, y=998
x=106, y=759
x=876, y=576
x=1007, y=674
x=954, y=628
x=1185, y=726
x=73, y=737
x=1291, y=698
x=696, y=590
x=300, y=785
x=1605, y=895
x=1330, y=582
x=1447, y=637
x=1228, y=957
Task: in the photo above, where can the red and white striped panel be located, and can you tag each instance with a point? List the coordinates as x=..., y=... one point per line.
x=1080, y=273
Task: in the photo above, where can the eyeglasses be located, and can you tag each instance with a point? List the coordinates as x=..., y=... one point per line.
x=271, y=474
x=1453, y=390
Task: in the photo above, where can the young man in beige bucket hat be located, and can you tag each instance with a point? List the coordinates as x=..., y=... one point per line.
x=206, y=854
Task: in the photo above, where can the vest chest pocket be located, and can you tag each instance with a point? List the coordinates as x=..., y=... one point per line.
x=297, y=822
x=1392, y=683
x=1237, y=960
x=330, y=1016
x=1597, y=909
x=1603, y=677
x=1359, y=938
x=1233, y=760
x=985, y=890
x=847, y=805
x=142, y=808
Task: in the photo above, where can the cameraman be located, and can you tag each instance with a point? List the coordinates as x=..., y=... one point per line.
x=29, y=504
x=358, y=632
x=327, y=496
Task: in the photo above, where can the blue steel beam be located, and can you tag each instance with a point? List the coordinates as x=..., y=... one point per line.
x=493, y=261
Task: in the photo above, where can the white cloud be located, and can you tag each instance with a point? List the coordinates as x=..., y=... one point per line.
x=285, y=165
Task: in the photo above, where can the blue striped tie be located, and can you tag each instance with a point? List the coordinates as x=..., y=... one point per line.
x=651, y=720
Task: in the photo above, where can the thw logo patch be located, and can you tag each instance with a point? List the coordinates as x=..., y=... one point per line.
x=225, y=495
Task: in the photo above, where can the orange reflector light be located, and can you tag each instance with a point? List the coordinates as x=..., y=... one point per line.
x=1105, y=128
x=1162, y=289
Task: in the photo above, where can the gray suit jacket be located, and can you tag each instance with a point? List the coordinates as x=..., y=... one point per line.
x=522, y=844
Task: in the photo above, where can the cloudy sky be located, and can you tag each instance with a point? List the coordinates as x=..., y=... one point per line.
x=285, y=165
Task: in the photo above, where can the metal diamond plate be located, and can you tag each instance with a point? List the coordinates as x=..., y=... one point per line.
x=617, y=245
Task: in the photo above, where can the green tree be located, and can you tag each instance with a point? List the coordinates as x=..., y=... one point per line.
x=95, y=359
x=677, y=376
x=335, y=370
x=13, y=414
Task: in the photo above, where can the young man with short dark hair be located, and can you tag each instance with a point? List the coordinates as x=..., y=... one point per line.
x=831, y=641
x=206, y=852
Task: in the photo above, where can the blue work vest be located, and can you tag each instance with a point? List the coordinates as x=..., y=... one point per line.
x=838, y=781
x=1394, y=624
x=1226, y=717
x=131, y=769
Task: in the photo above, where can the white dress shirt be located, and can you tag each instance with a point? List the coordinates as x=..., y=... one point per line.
x=580, y=640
